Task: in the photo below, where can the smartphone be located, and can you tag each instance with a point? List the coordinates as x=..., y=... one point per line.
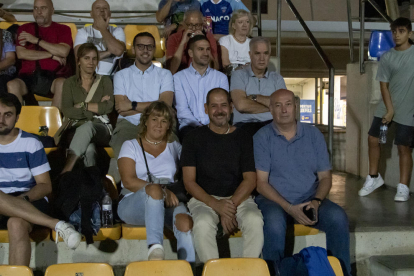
x=311, y=213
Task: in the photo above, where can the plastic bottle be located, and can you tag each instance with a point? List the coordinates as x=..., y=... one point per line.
x=107, y=216
x=383, y=134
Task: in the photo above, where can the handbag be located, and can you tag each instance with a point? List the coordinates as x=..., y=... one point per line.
x=177, y=187
x=41, y=78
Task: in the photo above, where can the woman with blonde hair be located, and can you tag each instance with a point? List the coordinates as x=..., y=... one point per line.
x=148, y=166
x=235, y=46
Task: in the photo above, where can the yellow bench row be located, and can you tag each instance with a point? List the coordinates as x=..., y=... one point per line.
x=227, y=267
x=130, y=32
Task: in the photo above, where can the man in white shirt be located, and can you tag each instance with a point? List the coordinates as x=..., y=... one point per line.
x=192, y=85
x=136, y=87
x=109, y=40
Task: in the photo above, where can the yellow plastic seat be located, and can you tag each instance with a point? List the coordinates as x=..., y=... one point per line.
x=32, y=117
x=299, y=230
x=42, y=99
x=133, y=232
x=81, y=269
x=132, y=30
x=159, y=268
x=236, y=267
x=110, y=152
x=13, y=270
x=90, y=24
x=49, y=150
x=113, y=233
x=336, y=266
x=38, y=234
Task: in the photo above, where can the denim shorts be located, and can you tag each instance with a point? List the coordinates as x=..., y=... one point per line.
x=404, y=135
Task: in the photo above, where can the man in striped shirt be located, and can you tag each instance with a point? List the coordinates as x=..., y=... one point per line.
x=24, y=184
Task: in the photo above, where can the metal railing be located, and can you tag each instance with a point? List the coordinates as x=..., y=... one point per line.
x=325, y=60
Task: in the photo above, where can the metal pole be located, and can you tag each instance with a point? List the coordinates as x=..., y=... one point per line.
x=350, y=33
x=316, y=101
x=279, y=33
x=361, y=36
x=321, y=101
x=331, y=113
x=381, y=12
x=259, y=17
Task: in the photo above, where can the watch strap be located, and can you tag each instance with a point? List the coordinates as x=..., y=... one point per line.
x=134, y=105
x=317, y=199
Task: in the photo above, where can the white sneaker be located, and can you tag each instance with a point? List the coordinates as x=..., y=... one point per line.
x=156, y=252
x=403, y=193
x=68, y=233
x=370, y=185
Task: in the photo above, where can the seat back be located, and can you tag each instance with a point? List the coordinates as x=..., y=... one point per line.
x=90, y=24
x=380, y=42
x=236, y=267
x=159, y=268
x=12, y=270
x=132, y=30
x=84, y=269
x=33, y=117
x=336, y=266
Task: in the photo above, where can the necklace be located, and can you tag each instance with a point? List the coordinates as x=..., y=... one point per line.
x=241, y=42
x=228, y=129
x=151, y=142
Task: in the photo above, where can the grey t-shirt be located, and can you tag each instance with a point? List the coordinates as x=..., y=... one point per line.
x=245, y=80
x=397, y=69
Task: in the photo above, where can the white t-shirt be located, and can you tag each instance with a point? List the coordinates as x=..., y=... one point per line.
x=91, y=35
x=163, y=166
x=238, y=52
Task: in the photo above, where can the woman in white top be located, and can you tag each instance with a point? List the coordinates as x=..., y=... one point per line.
x=235, y=46
x=146, y=191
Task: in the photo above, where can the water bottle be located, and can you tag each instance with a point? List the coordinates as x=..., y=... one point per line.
x=107, y=216
x=383, y=134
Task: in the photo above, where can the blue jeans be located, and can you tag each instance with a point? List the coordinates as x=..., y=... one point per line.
x=332, y=219
x=141, y=209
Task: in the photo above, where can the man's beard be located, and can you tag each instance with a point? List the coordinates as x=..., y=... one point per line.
x=6, y=131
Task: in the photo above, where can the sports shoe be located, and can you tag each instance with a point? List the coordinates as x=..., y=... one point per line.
x=403, y=193
x=156, y=252
x=370, y=185
x=68, y=233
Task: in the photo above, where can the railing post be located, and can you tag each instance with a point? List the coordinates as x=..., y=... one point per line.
x=259, y=17
x=350, y=33
x=331, y=113
x=361, y=36
x=316, y=102
x=279, y=33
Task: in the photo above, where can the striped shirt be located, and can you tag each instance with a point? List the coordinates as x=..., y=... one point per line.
x=20, y=161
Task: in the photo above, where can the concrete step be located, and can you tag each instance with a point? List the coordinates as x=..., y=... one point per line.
x=392, y=265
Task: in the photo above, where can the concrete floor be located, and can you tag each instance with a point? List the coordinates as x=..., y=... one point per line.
x=375, y=212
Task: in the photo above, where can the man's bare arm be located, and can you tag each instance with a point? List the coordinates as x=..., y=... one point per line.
x=162, y=13
x=245, y=188
x=115, y=46
x=8, y=61
x=244, y=105
x=42, y=188
x=386, y=97
x=25, y=54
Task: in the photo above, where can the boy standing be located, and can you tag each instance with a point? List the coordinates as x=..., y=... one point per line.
x=396, y=76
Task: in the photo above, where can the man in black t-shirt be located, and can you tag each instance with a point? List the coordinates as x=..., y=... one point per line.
x=219, y=172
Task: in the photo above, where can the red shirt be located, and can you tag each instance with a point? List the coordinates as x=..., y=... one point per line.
x=55, y=33
x=174, y=41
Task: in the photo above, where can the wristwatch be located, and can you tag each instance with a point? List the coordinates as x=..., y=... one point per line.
x=26, y=197
x=134, y=105
x=254, y=97
x=317, y=199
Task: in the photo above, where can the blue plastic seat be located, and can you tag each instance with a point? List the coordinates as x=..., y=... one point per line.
x=379, y=43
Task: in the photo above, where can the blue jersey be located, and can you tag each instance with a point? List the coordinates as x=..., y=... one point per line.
x=220, y=13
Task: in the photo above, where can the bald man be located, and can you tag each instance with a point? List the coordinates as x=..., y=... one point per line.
x=293, y=172
x=43, y=47
x=109, y=40
x=177, y=51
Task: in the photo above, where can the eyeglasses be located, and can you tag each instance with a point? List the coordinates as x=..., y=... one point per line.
x=195, y=26
x=149, y=47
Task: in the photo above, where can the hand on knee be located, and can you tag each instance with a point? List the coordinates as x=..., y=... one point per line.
x=154, y=191
x=183, y=222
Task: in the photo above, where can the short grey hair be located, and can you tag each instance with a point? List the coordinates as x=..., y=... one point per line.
x=189, y=13
x=260, y=39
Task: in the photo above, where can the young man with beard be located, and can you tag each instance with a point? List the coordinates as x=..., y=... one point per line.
x=396, y=74
x=24, y=185
x=136, y=87
x=192, y=85
x=219, y=172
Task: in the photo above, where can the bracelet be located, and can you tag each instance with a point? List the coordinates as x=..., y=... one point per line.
x=290, y=206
